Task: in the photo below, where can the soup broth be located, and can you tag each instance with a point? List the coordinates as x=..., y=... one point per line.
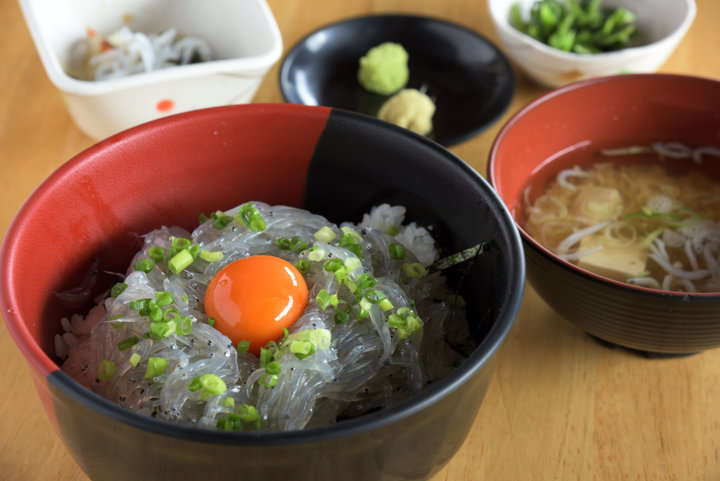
x=645, y=215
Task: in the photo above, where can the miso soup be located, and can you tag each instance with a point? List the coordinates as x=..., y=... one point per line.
x=644, y=215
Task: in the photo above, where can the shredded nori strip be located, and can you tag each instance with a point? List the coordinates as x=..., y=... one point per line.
x=457, y=258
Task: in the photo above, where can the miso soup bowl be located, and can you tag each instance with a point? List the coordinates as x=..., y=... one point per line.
x=610, y=111
x=167, y=171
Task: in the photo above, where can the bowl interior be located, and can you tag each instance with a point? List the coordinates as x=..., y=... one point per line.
x=245, y=30
x=168, y=171
x=467, y=77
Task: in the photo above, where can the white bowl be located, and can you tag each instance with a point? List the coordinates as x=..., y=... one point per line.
x=662, y=24
x=242, y=34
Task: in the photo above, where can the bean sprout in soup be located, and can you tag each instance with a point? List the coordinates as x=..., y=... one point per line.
x=645, y=215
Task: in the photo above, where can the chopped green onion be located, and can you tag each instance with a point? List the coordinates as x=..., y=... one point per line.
x=341, y=317
x=273, y=367
x=395, y=320
x=180, y=261
x=251, y=217
x=170, y=313
x=144, y=265
x=323, y=299
x=171, y=328
x=365, y=281
x=105, y=369
x=230, y=423
x=208, y=383
x=286, y=334
x=325, y=234
x=375, y=296
x=211, y=256
x=181, y=243
x=155, y=367
x=194, y=251
x=316, y=254
x=157, y=254
x=159, y=330
x=134, y=359
x=156, y=313
x=266, y=356
x=405, y=322
x=164, y=298
x=652, y=236
x=345, y=279
x=357, y=250
x=350, y=242
x=414, y=270
x=220, y=219
x=184, y=325
x=392, y=230
x=302, y=349
x=229, y=402
x=268, y=380
x=283, y=243
x=299, y=245
x=211, y=321
x=140, y=305
x=244, y=414
x=455, y=300
x=296, y=244
x=243, y=347
x=349, y=231
x=247, y=413
x=365, y=306
x=117, y=289
x=396, y=251
x=331, y=265
x=127, y=343
x=304, y=343
x=385, y=304
x=303, y=266
x=195, y=384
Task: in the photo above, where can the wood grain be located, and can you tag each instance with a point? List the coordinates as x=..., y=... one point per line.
x=560, y=406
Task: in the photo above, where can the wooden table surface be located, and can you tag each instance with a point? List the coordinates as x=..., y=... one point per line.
x=560, y=406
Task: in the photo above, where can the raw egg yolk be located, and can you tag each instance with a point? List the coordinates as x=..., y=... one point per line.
x=254, y=298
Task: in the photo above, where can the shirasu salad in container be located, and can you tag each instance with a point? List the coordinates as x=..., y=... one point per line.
x=125, y=52
x=272, y=318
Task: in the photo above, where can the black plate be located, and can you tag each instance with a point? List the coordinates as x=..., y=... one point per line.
x=469, y=79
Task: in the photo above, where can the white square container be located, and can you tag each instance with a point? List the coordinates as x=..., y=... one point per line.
x=242, y=34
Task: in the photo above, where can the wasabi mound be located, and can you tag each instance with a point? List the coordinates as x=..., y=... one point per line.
x=384, y=68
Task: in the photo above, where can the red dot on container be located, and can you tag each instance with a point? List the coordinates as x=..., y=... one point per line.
x=165, y=105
